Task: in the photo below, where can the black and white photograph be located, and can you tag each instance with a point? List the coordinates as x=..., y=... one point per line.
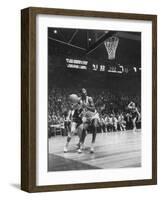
x=94, y=99
x=89, y=99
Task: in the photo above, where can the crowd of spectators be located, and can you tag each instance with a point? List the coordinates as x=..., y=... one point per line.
x=111, y=106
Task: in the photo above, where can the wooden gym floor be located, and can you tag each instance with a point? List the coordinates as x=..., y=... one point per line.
x=112, y=150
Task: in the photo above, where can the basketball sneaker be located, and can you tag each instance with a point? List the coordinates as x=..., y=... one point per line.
x=91, y=150
x=79, y=150
x=65, y=150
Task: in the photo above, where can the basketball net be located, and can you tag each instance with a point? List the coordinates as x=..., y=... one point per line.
x=111, y=46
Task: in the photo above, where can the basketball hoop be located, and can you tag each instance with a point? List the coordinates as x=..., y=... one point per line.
x=111, y=46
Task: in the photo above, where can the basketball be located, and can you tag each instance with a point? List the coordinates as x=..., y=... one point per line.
x=73, y=98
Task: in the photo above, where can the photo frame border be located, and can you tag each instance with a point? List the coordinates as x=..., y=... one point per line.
x=28, y=98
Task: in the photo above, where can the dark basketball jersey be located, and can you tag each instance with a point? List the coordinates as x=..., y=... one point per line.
x=77, y=116
x=133, y=112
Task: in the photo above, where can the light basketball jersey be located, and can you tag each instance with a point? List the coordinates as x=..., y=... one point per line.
x=87, y=113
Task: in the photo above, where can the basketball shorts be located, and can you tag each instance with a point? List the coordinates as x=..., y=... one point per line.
x=90, y=116
x=134, y=115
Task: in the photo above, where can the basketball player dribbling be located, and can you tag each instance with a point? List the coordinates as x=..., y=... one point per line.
x=90, y=117
x=135, y=115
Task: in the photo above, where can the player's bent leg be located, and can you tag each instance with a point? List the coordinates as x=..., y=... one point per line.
x=84, y=132
x=79, y=133
x=82, y=129
x=95, y=124
x=70, y=134
x=134, y=124
x=67, y=144
x=82, y=135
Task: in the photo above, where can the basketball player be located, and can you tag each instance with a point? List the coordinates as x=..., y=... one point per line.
x=90, y=117
x=134, y=114
x=75, y=120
